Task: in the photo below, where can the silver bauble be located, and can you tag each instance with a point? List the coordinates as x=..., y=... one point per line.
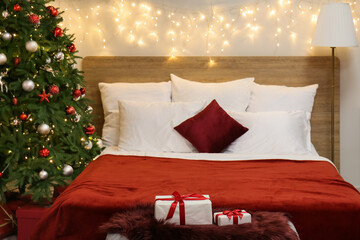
x=88, y=145
x=6, y=36
x=48, y=60
x=43, y=129
x=100, y=143
x=15, y=122
x=89, y=109
x=67, y=170
x=28, y=85
x=5, y=14
x=31, y=46
x=3, y=59
x=59, y=56
x=76, y=99
x=43, y=174
x=77, y=118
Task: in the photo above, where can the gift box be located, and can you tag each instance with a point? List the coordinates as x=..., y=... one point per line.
x=7, y=221
x=192, y=209
x=232, y=217
x=27, y=218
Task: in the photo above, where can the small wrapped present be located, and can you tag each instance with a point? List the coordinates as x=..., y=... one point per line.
x=232, y=217
x=192, y=209
x=7, y=221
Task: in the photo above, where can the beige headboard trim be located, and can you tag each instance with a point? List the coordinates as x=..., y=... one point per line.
x=289, y=71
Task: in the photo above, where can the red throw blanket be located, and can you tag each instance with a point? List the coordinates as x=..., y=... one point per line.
x=321, y=203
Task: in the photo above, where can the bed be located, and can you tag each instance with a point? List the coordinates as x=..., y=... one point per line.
x=307, y=186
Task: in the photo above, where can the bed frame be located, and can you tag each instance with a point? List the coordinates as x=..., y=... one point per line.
x=289, y=71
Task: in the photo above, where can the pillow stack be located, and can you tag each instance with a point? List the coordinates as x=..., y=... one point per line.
x=183, y=116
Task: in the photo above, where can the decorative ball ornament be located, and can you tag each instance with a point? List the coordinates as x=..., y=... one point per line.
x=83, y=91
x=44, y=152
x=77, y=118
x=15, y=122
x=76, y=93
x=23, y=116
x=31, y=46
x=70, y=110
x=48, y=60
x=53, y=11
x=5, y=14
x=89, y=109
x=6, y=36
x=90, y=130
x=3, y=59
x=34, y=19
x=59, y=56
x=43, y=129
x=43, y=175
x=54, y=90
x=67, y=170
x=58, y=32
x=16, y=61
x=28, y=85
x=14, y=101
x=100, y=143
x=1, y=174
x=71, y=48
x=17, y=8
x=88, y=145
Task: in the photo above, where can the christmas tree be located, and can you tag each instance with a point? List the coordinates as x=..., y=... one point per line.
x=46, y=135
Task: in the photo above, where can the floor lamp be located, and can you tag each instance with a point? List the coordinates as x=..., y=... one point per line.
x=334, y=28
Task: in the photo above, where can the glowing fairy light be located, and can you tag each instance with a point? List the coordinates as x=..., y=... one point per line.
x=314, y=18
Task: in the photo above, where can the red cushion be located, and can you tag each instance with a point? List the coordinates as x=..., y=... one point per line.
x=211, y=130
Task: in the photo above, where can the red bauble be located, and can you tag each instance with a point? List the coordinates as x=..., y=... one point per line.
x=82, y=90
x=16, y=61
x=77, y=93
x=34, y=19
x=1, y=174
x=15, y=101
x=23, y=116
x=54, y=90
x=53, y=11
x=44, y=152
x=90, y=130
x=70, y=110
x=71, y=48
x=57, y=32
x=17, y=8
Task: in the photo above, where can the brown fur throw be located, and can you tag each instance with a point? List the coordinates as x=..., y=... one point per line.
x=138, y=223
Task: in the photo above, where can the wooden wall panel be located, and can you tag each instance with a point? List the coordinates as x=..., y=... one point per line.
x=289, y=71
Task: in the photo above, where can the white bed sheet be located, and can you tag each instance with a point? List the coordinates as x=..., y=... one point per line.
x=210, y=157
x=215, y=156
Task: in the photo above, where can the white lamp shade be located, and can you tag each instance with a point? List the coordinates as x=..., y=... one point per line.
x=335, y=27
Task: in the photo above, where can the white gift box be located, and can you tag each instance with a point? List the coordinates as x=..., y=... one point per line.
x=223, y=220
x=197, y=212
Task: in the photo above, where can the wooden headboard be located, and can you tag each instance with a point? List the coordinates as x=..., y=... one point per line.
x=289, y=71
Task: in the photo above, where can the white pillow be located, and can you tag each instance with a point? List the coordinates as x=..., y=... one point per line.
x=273, y=133
x=149, y=127
x=232, y=95
x=112, y=92
x=266, y=98
x=151, y=92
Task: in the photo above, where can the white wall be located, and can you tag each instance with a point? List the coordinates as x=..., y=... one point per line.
x=94, y=32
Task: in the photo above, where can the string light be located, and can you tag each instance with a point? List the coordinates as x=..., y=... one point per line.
x=141, y=22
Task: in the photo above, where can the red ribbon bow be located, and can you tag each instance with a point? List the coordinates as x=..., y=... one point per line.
x=180, y=199
x=236, y=214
